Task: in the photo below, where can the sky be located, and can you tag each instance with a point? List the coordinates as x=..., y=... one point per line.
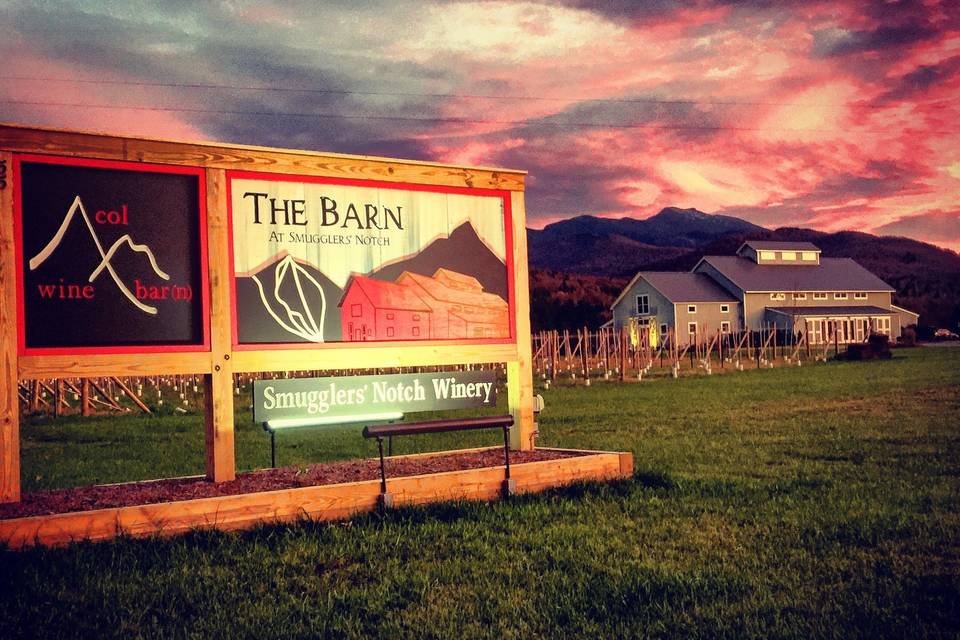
x=828, y=115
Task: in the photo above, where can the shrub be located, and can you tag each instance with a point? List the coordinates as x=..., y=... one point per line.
x=876, y=346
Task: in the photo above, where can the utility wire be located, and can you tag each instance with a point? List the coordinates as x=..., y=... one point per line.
x=469, y=96
x=442, y=120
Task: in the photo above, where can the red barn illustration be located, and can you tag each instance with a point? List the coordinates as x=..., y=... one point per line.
x=448, y=305
x=381, y=310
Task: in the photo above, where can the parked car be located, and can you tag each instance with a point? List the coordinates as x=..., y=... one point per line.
x=945, y=334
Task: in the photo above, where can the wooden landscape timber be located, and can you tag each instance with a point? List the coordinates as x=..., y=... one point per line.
x=326, y=502
x=61, y=380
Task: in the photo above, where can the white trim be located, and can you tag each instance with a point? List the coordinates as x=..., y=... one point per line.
x=625, y=290
x=906, y=311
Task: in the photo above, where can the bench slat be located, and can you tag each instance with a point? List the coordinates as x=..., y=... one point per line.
x=437, y=426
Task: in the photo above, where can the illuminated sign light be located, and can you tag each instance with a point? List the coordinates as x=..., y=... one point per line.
x=287, y=423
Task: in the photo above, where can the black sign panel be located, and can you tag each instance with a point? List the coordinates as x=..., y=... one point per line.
x=111, y=256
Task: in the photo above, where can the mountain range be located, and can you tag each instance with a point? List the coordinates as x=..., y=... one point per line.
x=578, y=266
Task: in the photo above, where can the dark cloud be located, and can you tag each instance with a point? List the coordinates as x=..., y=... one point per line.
x=879, y=178
x=681, y=121
x=897, y=26
x=629, y=9
x=938, y=226
x=922, y=79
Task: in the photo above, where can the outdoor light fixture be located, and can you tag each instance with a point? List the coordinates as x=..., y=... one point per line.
x=283, y=423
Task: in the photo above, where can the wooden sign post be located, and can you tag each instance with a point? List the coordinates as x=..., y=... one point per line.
x=210, y=259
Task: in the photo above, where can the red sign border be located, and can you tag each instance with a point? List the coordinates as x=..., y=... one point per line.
x=503, y=194
x=140, y=167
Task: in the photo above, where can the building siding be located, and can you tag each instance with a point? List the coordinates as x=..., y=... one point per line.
x=756, y=304
x=708, y=318
x=626, y=308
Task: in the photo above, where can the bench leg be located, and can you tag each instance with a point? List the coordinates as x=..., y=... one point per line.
x=509, y=486
x=384, y=500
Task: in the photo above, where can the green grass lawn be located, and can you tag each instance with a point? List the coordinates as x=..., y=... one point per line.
x=820, y=501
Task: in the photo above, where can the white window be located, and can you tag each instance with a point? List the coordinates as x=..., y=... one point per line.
x=778, y=296
x=724, y=308
x=767, y=255
x=815, y=331
x=789, y=256
x=799, y=296
x=692, y=328
x=819, y=295
x=724, y=327
x=808, y=256
x=691, y=308
x=840, y=295
x=881, y=325
x=860, y=295
x=643, y=304
x=663, y=330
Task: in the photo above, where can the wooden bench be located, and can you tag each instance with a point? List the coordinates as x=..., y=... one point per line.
x=382, y=431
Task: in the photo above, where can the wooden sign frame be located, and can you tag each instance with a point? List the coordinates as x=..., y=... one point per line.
x=220, y=360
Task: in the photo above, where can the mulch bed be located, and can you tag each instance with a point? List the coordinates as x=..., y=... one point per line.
x=150, y=492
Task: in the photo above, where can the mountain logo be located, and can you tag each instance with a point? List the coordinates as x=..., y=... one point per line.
x=105, y=256
x=292, y=286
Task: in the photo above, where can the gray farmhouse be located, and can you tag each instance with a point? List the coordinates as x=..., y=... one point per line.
x=783, y=284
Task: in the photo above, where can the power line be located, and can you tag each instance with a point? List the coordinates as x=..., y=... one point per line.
x=441, y=120
x=469, y=96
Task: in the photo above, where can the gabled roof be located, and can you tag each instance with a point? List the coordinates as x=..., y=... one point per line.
x=681, y=286
x=832, y=274
x=384, y=294
x=773, y=245
x=456, y=280
x=440, y=291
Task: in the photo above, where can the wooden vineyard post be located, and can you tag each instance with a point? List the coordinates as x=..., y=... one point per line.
x=218, y=384
x=85, y=408
x=836, y=340
x=9, y=407
x=623, y=354
x=584, y=357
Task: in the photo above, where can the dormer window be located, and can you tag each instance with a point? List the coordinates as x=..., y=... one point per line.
x=808, y=256
x=767, y=255
x=789, y=256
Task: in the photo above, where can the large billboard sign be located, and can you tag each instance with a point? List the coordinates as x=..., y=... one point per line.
x=319, y=260
x=110, y=256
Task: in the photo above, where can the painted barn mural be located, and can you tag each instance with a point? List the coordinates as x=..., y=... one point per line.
x=336, y=261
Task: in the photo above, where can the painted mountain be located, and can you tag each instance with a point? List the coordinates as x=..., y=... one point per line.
x=464, y=252
x=291, y=301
